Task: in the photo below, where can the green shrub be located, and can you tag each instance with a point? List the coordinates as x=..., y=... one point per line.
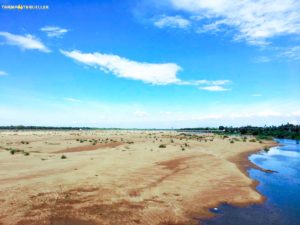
x=162, y=146
x=63, y=157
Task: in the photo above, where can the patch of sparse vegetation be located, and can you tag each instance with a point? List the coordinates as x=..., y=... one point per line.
x=63, y=157
x=162, y=146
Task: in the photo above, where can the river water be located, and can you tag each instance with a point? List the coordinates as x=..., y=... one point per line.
x=282, y=190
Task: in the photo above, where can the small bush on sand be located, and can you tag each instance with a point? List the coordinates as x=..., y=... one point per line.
x=63, y=157
x=231, y=142
x=162, y=146
x=12, y=151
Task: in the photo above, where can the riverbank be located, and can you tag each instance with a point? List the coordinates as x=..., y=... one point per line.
x=281, y=190
x=121, y=177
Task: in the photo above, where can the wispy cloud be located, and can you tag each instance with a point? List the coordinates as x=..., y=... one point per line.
x=27, y=41
x=157, y=74
x=53, y=31
x=160, y=74
x=140, y=113
x=262, y=59
x=172, y=21
x=253, y=21
x=214, y=88
x=3, y=73
x=72, y=99
x=291, y=53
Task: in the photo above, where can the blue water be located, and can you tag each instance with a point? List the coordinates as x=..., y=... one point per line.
x=282, y=190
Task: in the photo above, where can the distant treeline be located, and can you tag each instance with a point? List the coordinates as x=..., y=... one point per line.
x=21, y=127
x=288, y=131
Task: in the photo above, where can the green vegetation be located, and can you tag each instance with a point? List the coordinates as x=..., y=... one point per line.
x=15, y=151
x=288, y=131
x=162, y=146
x=63, y=157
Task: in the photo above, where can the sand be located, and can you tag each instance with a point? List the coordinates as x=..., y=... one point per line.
x=121, y=177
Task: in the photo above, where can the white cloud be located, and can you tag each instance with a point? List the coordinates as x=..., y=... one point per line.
x=269, y=113
x=3, y=73
x=53, y=31
x=253, y=21
x=158, y=74
x=172, y=21
x=204, y=82
x=214, y=88
x=147, y=72
x=296, y=113
x=24, y=42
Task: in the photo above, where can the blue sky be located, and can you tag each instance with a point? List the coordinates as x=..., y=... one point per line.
x=150, y=63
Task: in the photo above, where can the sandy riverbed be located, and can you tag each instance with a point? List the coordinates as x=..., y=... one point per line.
x=120, y=177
